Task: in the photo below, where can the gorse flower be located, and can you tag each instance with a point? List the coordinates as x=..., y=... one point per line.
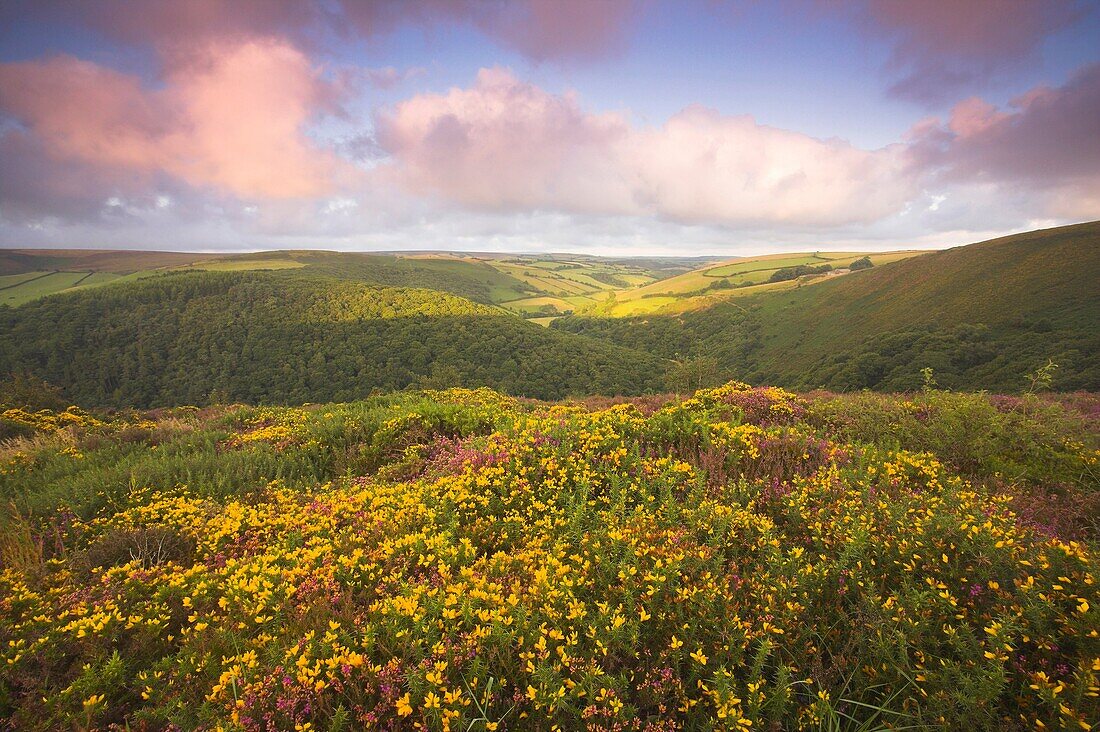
x=524, y=566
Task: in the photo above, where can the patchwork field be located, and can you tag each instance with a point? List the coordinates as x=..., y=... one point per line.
x=523, y=284
x=710, y=284
x=529, y=285
x=39, y=285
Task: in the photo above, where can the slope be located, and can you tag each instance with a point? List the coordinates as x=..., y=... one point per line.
x=285, y=337
x=981, y=316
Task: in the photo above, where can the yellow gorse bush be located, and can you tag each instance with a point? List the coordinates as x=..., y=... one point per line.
x=571, y=569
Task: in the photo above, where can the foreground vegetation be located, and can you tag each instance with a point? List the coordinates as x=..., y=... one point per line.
x=741, y=559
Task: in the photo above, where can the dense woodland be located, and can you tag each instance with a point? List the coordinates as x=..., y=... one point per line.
x=267, y=337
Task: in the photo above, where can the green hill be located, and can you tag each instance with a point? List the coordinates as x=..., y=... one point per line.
x=521, y=283
x=981, y=316
x=284, y=337
x=26, y=275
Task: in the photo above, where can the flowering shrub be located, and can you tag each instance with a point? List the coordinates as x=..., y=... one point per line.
x=553, y=567
x=49, y=421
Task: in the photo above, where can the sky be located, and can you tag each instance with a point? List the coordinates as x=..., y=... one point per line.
x=619, y=127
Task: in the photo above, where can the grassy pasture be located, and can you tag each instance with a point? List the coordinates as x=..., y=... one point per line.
x=33, y=289
x=688, y=291
x=7, y=281
x=757, y=264
x=567, y=284
x=535, y=304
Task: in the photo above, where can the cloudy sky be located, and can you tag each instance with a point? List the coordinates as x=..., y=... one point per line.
x=601, y=126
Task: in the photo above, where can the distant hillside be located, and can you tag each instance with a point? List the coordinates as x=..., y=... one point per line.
x=26, y=275
x=712, y=283
x=528, y=284
x=981, y=316
x=286, y=337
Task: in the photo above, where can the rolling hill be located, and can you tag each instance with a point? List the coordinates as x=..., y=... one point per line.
x=188, y=337
x=155, y=328
x=31, y=274
x=717, y=282
x=525, y=284
x=981, y=316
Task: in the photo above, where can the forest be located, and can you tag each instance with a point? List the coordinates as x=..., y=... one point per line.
x=202, y=337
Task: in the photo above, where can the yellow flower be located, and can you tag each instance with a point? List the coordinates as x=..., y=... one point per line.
x=403, y=706
x=699, y=656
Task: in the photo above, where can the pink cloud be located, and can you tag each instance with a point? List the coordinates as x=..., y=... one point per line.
x=231, y=118
x=704, y=166
x=554, y=29
x=974, y=116
x=505, y=144
x=944, y=45
x=1046, y=141
x=539, y=29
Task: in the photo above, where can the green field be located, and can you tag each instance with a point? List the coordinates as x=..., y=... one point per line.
x=768, y=264
x=10, y=281
x=980, y=316
x=694, y=290
x=47, y=284
x=244, y=265
x=516, y=282
x=570, y=283
x=538, y=304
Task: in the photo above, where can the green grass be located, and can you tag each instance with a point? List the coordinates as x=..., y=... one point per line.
x=245, y=265
x=768, y=264
x=40, y=287
x=8, y=281
x=688, y=291
x=980, y=316
x=535, y=304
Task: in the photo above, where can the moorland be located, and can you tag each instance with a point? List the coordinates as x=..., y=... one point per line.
x=335, y=491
